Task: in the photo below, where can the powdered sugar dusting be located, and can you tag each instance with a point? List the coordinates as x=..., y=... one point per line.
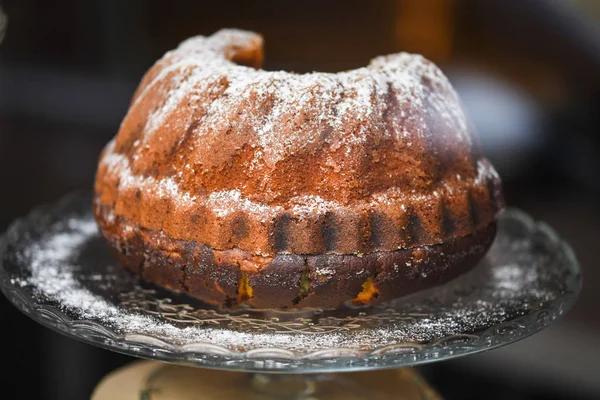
x=53, y=274
x=331, y=99
x=512, y=277
x=227, y=202
x=165, y=188
x=485, y=172
x=304, y=205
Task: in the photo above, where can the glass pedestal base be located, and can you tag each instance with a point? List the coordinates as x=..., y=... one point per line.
x=151, y=380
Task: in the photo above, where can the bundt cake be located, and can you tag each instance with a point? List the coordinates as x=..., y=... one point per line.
x=274, y=189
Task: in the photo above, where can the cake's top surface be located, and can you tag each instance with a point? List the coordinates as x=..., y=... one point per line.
x=212, y=135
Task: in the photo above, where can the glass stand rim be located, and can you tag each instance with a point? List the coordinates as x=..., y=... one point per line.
x=492, y=306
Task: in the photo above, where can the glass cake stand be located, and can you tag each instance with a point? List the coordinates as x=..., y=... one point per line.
x=55, y=268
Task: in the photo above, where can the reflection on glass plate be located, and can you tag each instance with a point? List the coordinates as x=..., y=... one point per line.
x=56, y=269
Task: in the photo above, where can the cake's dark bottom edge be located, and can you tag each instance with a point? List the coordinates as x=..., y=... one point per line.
x=290, y=280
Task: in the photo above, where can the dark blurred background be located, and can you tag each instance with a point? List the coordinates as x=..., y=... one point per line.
x=528, y=72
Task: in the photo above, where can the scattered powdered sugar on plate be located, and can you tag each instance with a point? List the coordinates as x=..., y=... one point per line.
x=512, y=277
x=67, y=266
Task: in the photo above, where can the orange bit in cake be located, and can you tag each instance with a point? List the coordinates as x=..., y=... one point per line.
x=368, y=293
x=244, y=289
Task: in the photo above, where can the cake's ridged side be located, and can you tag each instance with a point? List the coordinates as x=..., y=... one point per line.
x=287, y=280
x=316, y=227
